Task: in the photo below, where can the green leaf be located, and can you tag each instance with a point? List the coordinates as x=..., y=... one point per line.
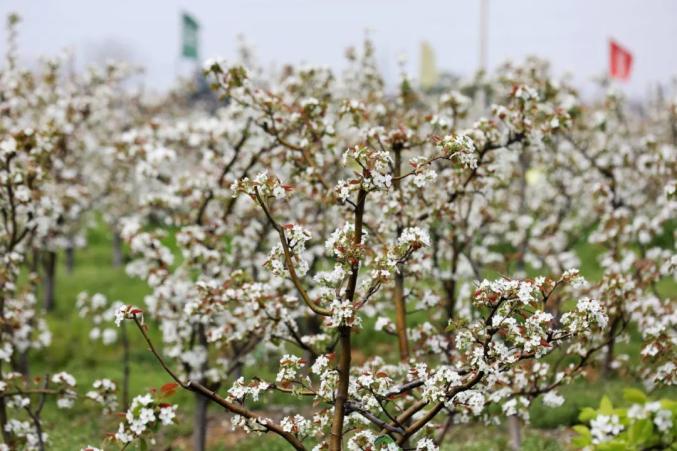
x=582, y=430
x=614, y=445
x=634, y=395
x=668, y=404
x=641, y=431
x=587, y=414
x=605, y=406
x=143, y=446
x=581, y=442
x=584, y=437
x=383, y=440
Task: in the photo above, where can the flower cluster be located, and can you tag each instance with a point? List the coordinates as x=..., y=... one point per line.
x=104, y=393
x=144, y=416
x=263, y=185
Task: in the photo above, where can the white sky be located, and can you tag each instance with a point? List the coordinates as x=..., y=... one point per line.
x=573, y=34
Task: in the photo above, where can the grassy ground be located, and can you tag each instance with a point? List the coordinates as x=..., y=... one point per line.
x=73, y=351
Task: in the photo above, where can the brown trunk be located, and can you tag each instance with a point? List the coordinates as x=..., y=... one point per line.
x=514, y=429
x=7, y=437
x=607, y=369
x=200, y=423
x=35, y=261
x=401, y=317
x=342, y=391
x=70, y=259
x=49, y=267
x=20, y=363
x=608, y=360
x=117, y=250
x=450, y=285
x=450, y=292
x=336, y=438
x=398, y=295
x=201, y=403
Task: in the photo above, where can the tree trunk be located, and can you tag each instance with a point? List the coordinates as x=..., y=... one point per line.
x=200, y=423
x=344, y=331
x=70, y=259
x=201, y=403
x=450, y=291
x=336, y=439
x=7, y=437
x=450, y=285
x=514, y=429
x=401, y=315
x=609, y=360
x=21, y=362
x=125, y=371
x=607, y=369
x=49, y=267
x=400, y=302
x=35, y=260
x=117, y=250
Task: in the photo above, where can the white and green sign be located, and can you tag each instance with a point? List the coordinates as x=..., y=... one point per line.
x=189, y=39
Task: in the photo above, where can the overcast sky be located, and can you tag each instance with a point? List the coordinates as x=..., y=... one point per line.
x=573, y=34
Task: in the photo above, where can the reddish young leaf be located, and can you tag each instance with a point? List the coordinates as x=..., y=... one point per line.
x=169, y=388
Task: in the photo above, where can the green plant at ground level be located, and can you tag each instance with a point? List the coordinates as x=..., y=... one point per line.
x=642, y=424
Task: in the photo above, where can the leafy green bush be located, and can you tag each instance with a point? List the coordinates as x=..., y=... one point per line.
x=643, y=425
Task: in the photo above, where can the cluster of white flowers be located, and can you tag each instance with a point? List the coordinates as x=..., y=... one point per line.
x=144, y=416
x=516, y=407
x=438, y=383
x=375, y=164
x=489, y=292
x=663, y=420
x=589, y=312
x=330, y=278
x=424, y=174
x=240, y=389
x=264, y=184
x=426, y=444
x=100, y=312
x=297, y=425
x=462, y=147
x=525, y=93
x=361, y=440
x=553, y=399
x=343, y=313
x=414, y=237
x=26, y=431
x=67, y=396
x=297, y=237
x=104, y=393
x=604, y=427
x=573, y=277
x=289, y=366
x=473, y=400
x=341, y=243
x=124, y=312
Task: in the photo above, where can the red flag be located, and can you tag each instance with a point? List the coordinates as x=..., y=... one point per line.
x=620, y=61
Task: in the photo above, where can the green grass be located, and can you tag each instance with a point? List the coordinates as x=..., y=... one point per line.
x=73, y=351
